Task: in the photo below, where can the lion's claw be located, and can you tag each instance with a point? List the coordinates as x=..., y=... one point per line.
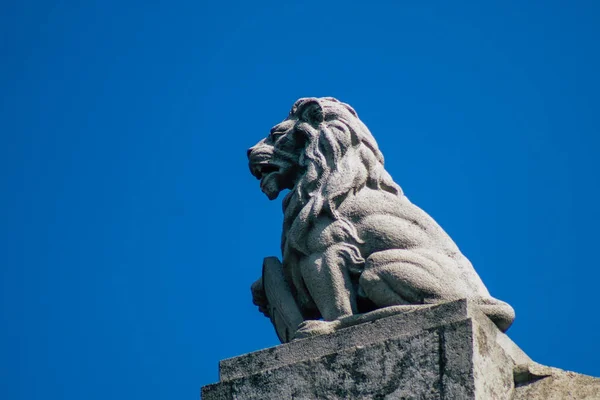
x=312, y=327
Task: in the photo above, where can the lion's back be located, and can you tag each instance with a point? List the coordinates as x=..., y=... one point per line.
x=385, y=220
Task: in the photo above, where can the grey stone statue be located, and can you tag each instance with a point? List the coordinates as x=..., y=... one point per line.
x=354, y=247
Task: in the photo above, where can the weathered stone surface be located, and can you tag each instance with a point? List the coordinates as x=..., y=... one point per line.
x=403, y=324
x=352, y=241
x=449, y=351
x=389, y=369
x=559, y=385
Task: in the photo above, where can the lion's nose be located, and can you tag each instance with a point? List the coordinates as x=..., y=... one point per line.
x=249, y=151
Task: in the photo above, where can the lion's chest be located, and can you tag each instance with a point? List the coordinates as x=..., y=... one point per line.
x=315, y=237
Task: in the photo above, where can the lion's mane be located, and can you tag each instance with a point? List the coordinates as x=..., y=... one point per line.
x=340, y=157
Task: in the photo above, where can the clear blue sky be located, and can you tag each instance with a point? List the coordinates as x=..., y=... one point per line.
x=131, y=229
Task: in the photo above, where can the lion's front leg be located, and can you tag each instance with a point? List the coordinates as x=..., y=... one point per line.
x=272, y=294
x=328, y=280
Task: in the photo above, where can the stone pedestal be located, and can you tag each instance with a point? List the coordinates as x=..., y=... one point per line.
x=448, y=351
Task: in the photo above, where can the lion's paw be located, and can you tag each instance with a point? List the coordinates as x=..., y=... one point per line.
x=311, y=327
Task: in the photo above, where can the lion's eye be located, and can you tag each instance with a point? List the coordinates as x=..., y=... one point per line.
x=276, y=135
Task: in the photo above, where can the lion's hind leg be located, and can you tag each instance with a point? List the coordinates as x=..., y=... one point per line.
x=328, y=278
x=401, y=277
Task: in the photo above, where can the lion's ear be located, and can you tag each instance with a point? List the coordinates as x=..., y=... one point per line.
x=309, y=110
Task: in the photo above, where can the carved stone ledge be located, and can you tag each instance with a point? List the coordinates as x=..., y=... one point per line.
x=448, y=351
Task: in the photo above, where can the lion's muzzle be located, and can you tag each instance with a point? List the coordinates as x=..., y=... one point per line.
x=259, y=161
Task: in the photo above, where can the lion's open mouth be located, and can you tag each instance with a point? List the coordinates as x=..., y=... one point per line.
x=262, y=170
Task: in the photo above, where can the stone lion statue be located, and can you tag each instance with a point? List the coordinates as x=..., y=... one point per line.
x=352, y=242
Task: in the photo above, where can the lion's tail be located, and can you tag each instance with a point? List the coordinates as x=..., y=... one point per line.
x=501, y=313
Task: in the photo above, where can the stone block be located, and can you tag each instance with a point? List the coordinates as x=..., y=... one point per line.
x=448, y=351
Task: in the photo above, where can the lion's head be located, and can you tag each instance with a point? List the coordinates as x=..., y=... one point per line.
x=322, y=152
